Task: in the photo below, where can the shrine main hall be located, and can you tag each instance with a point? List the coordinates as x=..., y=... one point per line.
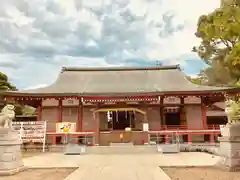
x=124, y=104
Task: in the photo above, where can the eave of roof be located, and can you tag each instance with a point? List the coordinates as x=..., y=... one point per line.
x=107, y=94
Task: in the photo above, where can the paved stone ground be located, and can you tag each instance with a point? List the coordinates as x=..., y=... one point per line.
x=121, y=167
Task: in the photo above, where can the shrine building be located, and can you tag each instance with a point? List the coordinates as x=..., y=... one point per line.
x=125, y=104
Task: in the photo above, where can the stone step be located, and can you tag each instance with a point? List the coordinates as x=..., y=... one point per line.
x=50, y=148
x=144, y=149
x=122, y=144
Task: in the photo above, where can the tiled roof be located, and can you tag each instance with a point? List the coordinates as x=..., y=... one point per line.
x=121, y=81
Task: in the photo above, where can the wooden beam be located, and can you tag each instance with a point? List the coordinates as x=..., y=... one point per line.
x=60, y=109
x=204, y=116
x=39, y=112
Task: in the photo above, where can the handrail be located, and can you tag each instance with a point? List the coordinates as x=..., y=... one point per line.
x=184, y=127
x=186, y=131
x=71, y=133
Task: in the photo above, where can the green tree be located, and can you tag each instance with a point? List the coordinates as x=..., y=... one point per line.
x=216, y=75
x=196, y=80
x=28, y=110
x=5, y=84
x=219, y=32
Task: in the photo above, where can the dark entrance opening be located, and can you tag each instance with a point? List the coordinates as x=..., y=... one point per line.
x=214, y=120
x=122, y=119
x=172, y=118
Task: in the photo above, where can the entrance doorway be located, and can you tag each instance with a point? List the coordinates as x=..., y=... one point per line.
x=119, y=120
x=172, y=118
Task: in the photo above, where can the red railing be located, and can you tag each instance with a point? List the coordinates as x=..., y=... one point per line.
x=184, y=127
x=166, y=130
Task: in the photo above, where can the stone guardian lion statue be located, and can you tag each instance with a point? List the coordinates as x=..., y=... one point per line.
x=232, y=110
x=6, y=116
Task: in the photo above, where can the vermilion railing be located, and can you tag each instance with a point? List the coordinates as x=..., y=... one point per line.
x=213, y=126
x=184, y=127
x=166, y=130
x=165, y=127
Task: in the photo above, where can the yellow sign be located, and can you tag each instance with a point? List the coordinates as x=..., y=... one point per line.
x=65, y=127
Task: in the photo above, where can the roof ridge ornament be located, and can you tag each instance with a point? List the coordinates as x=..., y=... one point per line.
x=63, y=69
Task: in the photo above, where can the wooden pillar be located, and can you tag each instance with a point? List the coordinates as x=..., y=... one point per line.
x=212, y=138
x=166, y=139
x=189, y=138
x=79, y=120
x=54, y=139
x=80, y=117
x=161, y=112
x=59, y=110
x=183, y=121
x=97, y=124
x=204, y=116
x=39, y=112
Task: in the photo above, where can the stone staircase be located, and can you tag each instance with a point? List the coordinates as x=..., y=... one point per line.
x=122, y=148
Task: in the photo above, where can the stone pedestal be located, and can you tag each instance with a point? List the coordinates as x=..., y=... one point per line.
x=229, y=149
x=10, y=152
x=168, y=148
x=74, y=149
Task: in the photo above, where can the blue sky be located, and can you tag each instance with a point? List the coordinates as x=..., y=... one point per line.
x=38, y=37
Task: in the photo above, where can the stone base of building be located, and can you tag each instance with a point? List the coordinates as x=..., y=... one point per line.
x=10, y=152
x=229, y=149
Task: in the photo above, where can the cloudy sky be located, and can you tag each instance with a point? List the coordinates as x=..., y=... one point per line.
x=38, y=37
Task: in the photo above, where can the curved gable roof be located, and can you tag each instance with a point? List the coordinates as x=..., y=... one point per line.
x=121, y=81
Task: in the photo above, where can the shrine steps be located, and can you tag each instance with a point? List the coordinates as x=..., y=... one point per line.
x=114, y=148
x=122, y=149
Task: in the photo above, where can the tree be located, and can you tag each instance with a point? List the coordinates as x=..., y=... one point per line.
x=216, y=75
x=28, y=110
x=5, y=84
x=219, y=32
x=196, y=80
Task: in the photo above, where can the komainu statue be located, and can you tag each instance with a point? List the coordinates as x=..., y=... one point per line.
x=233, y=111
x=6, y=116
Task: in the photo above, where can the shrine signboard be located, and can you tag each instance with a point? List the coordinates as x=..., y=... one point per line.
x=32, y=131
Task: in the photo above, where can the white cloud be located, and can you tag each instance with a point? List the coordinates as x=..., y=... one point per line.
x=180, y=43
x=38, y=37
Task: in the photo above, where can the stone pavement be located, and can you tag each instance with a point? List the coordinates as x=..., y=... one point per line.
x=120, y=167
